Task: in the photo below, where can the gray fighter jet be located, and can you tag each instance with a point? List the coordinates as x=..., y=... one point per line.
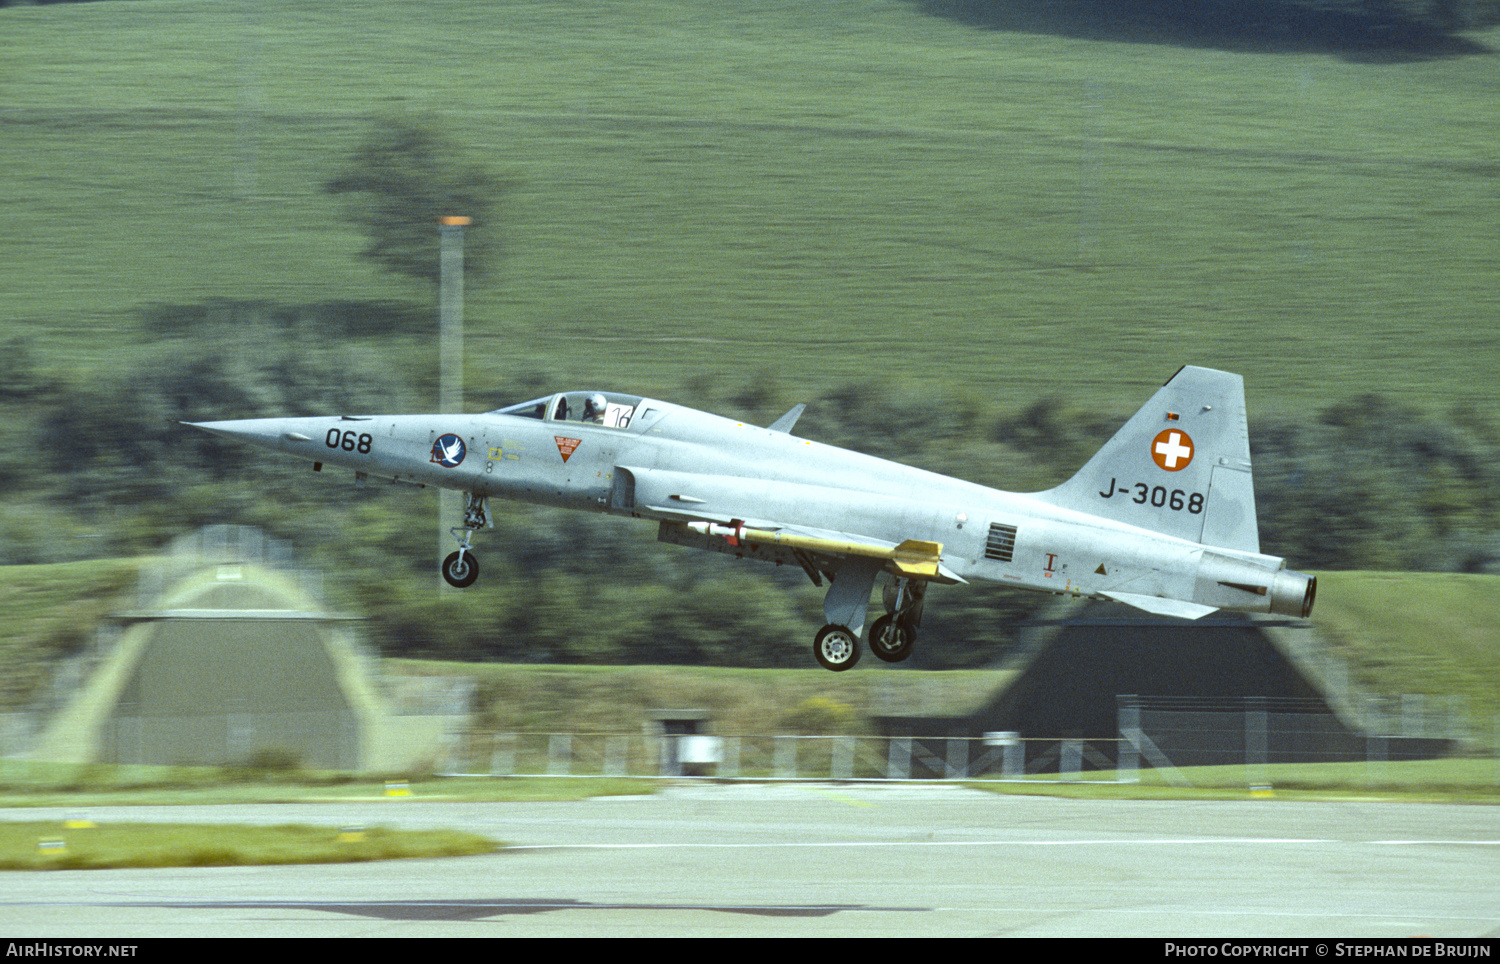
x=1162, y=518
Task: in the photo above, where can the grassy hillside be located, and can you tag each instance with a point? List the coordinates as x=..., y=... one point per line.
x=612, y=699
x=824, y=192
x=47, y=612
x=1432, y=633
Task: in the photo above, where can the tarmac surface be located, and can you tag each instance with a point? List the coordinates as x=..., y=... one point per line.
x=817, y=860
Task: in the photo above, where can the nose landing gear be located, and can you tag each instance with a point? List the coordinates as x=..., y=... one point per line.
x=461, y=568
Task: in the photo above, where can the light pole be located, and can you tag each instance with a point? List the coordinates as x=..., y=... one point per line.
x=450, y=353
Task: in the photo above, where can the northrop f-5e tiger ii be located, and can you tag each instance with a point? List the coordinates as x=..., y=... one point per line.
x=1162, y=518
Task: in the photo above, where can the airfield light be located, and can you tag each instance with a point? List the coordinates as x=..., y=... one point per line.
x=451, y=311
x=450, y=349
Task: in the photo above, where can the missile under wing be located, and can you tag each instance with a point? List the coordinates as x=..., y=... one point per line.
x=1162, y=518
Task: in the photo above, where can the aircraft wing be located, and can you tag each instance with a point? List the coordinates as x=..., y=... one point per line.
x=694, y=511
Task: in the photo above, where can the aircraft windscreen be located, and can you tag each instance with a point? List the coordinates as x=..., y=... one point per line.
x=609, y=409
x=536, y=408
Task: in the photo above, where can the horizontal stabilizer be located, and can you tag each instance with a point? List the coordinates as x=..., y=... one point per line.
x=1159, y=606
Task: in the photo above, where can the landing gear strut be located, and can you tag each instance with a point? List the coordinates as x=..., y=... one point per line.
x=836, y=646
x=461, y=568
x=893, y=635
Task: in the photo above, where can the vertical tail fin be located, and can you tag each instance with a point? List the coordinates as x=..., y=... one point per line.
x=1180, y=466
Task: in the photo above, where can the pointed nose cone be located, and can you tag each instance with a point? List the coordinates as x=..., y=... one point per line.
x=274, y=433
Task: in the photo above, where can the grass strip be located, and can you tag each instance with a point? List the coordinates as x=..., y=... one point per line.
x=81, y=845
x=1412, y=781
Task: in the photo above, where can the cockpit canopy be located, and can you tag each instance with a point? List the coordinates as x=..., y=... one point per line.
x=616, y=410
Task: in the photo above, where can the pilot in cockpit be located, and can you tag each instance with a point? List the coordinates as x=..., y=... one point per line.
x=593, y=408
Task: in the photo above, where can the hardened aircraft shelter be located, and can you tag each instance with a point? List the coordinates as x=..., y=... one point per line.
x=234, y=662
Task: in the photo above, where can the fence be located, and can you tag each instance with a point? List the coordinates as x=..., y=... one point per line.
x=1255, y=731
x=780, y=757
x=1162, y=735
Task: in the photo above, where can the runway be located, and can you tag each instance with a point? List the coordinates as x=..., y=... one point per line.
x=819, y=860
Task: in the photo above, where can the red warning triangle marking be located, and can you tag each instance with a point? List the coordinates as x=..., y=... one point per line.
x=565, y=446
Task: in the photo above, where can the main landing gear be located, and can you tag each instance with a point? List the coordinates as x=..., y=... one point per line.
x=461, y=568
x=836, y=647
x=892, y=636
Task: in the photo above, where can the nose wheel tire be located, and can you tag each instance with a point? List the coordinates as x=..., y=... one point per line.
x=461, y=569
x=836, y=648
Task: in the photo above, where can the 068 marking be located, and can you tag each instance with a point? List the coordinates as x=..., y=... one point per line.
x=349, y=441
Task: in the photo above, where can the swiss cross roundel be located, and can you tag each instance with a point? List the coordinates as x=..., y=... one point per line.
x=1172, y=449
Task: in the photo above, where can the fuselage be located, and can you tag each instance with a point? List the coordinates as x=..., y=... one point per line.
x=657, y=460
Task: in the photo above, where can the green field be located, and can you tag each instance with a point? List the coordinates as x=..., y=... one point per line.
x=814, y=193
